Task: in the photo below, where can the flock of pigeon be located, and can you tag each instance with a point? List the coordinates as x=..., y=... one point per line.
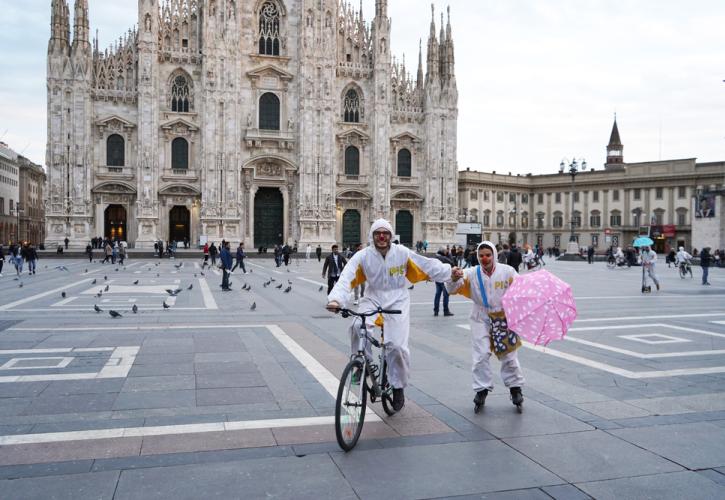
x=173, y=292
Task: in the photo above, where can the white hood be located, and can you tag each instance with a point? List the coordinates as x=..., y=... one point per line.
x=491, y=246
x=379, y=224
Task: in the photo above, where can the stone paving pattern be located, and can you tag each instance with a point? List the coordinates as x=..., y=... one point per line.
x=585, y=432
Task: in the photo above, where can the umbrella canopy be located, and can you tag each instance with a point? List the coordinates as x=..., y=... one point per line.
x=539, y=307
x=642, y=241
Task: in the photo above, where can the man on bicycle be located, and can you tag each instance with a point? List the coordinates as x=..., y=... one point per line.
x=385, y=268
x=682, y=257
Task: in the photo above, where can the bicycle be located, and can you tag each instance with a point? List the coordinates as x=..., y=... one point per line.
x=684, y=269
x=613, y=263
x=359, y=378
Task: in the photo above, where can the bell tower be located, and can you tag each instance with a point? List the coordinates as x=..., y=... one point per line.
x=615, y=157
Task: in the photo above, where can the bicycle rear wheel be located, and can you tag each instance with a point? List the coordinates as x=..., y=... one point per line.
x=350, y=405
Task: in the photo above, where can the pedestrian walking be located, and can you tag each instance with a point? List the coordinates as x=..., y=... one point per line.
x=240, y=258
x=206, y=255
x=108, y=251
x=212, y=254
x=331, y=269
x=705, y=264
x=441, y=287
x=89, y=252
x=285, y=254
x=514, y=258
x=2, y=260
x=66, y=241
x=318, y=252
x=32, y=259
x=226, y=263
x=503, y=256
x=121, y=254
x=590, y=255
x=308, y=251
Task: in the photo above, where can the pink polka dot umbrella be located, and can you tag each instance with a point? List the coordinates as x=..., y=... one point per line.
x=539, y=307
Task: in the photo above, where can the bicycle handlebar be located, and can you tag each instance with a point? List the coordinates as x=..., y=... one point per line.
x=347, y=312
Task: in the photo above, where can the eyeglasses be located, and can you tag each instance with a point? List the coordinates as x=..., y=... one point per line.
x=380, y=234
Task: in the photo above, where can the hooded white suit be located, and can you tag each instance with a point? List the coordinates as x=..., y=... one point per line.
x=386, y=287
x=495, y=286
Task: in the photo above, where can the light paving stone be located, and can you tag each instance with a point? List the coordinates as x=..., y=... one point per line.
x=437, y=471
x=612, y=410
x=682, y=404
x=590, y=456
x=675, y=486
x=308, y=477
x=69, y=450
x=565, y=492
x=695, y=445
x=91, y=486
x=206, y=441
x=527, y=494
x=417, y=426
x=326, y=433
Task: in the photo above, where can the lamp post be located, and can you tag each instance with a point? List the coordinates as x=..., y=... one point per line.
x=18, y=211
x=573, y=170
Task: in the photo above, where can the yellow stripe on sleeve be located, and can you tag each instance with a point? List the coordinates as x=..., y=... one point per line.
x=464, y=289
x=413, y=273
x=359, y=278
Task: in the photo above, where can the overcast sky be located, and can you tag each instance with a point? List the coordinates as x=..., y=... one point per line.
x=539, y=80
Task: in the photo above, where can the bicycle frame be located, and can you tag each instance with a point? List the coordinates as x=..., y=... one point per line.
x=376, y=375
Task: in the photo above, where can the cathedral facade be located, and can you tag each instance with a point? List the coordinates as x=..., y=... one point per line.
x=263, y=121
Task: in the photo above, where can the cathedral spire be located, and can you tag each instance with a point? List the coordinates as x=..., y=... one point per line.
x=419, y=78
x=432, y=58
x=443, y=54
x=80, y=24
x=59, y=23
x=381, y=8
x=449, y=48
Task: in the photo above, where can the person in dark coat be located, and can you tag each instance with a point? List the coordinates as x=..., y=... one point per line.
x=213, y=253
x=590, y=255
x=441, y=287
x=240, y=258
x=332, y=268
x=705, y=264
x=89, y=252
x=226, y=261
x=318, y=252
x=514, y=258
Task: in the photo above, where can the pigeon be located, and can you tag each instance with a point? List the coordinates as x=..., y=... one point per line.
x=190, y=286
x=62, y=294
x=85, y=271
x=105, y=278
x=135, y=282
x=115, y=314
x=272, y=279
x=194, y=275
x=166, y=306
x=254, y=306
x=279, y=286
x=320, y=289
x=134, y=308
x=116, y=269
x=158, y=275
x=96, y=308
x=179, y=266
x=288, y=289
x=411, y=287
x=20, y=285
x=100, y=292
x=251, y=270
x=289, y=282
x=94, y=281
x=106, y=289
x=16, y=279
x=173, y=293
x=61, y=268
x=202, y=273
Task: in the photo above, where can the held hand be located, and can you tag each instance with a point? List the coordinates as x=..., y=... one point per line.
x=456, y=273
x=333, y=306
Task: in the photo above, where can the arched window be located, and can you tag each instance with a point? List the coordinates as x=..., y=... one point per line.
x=525, y=219
x=115, y=153
x=180, y=94
x=577, y=218
x=404, y=163
x=499, y=218
x=352, y=161
x=486, y=218
x=557, y=220
x=615, y=218
x=351, y=107
x=179, y=154
x=269, y=112
x=474, y=215
x=659, y=216
x=540, y=220
x=269, y=29
x=595, y=218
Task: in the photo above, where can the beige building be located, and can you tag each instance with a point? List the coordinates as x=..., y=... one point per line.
x=9, y=188
x=32, y=217
x=608, y=206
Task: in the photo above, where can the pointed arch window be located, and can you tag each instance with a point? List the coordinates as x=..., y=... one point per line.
x=179, y=154
x=180, y=94
x=404, y=163
x=115, y=151
x=269, y=112
x=269, y=29
x=352, y=161
x=351, y=107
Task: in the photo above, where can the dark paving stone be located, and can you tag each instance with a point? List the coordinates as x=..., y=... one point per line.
x=159, y=383
x=219, y=380
x=201, y=457
x=695, y=445
x=653, y=420
x=14, y=406
x=713, y=476
x=590, y=456
x=457, y=422
x=106, y=423
x=309, y=477
x=604, y=424
x=565, y=492
x=22, y=390
x=227, y=367
x=304, y=449
x=6, y=430
x=435, y=471
x=39, y=470
x=528, y=494
x=161, y=359
x=164, y=369
x=184, y=419
x=233, y=395
x=96, y=386
x=155, y=399
x=92, y=485
x=675, y=486
x=71, y=403
x=397, y=442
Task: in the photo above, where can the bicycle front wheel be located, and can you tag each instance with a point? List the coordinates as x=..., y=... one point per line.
x=350, y=405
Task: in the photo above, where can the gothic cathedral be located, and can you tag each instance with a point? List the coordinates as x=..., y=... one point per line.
x=262, y=121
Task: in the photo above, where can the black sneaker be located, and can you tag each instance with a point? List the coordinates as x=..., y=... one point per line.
x=516, y=397
x=398, y=399
x=479, y=400
x=449, y=313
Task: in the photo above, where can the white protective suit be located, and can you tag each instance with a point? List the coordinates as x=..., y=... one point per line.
x=386, y=287
x=495, y=287
x=682, y=256
x=649, y=261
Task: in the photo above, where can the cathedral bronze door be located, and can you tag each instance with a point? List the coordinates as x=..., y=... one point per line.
x=268, y=217
x=404, y=227
x=114, y=222
x=179, y=224
x=351, y=228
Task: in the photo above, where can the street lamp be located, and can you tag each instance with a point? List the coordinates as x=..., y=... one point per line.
x=574, y=167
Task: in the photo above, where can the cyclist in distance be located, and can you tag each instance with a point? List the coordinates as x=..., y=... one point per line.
x=384, y=267
x=682, y=257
